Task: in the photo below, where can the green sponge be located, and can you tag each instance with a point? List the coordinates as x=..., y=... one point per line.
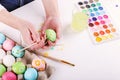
x=50, y=35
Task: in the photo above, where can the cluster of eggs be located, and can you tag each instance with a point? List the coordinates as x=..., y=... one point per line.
x=13, y=66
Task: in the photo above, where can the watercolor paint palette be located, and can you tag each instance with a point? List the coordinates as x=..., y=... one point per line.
x=100, y=24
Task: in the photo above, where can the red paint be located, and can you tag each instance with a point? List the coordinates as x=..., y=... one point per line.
x=102, y=32
x=97, y=23
x=91, y=24
x=105, y=26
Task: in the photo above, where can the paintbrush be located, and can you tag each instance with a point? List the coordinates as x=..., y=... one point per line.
x=55, y=59
x=27, y=47
x=46, y=56
x=33, y=45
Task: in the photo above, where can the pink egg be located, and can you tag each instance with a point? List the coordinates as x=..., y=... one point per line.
x=8, y=44
x=9, y=76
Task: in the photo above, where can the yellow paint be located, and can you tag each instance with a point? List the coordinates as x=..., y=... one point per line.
x=46, y=54
x=104, y=38
x=98, y=39
x=110, y=36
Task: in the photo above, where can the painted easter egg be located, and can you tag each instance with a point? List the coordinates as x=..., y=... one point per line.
x=39, y=64
x=18, y=68
x=50, y=35
x=2, y=70
x=2, y=38
x=9, y=76
x=31, y=74
x=8, y=44
x=16, y=51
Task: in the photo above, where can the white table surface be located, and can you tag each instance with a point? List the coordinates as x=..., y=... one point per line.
x=93, y=62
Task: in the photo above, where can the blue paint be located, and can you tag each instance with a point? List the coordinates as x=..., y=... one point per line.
x=102, y=13
x=95, y=9
x=100, y=8
x=97, y=13
x=94, y=19
x=92, y=14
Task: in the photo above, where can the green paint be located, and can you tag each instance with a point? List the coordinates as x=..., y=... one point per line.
x=90, y=10
x=98, y=4
x=84, y=11
x=93, y=5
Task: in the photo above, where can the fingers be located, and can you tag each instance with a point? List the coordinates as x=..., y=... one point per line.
x=41, y=39
x=39, y=44
x=34, y=34
x=49, y=44
x=44, y=27
x=27, y=39
x=57, y=30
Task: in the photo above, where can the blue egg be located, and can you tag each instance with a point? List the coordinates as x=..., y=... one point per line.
x=2, y=38
x=31, y=74
x=16, y=53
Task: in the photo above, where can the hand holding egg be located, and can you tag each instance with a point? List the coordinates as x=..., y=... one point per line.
x=50, y=38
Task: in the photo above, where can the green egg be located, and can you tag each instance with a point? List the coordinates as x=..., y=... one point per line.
x=18, y=68
x=2, y=70
x=50, y=35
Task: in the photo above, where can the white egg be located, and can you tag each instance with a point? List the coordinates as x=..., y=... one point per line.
x=8, y=60
x=2, y=54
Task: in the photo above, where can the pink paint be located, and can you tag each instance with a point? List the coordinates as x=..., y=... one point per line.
x=102, y=22
x=100, y=17
x=105, y=16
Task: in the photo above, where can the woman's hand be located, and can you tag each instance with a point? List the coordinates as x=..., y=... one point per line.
x=29, y=34
x=51, y=23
